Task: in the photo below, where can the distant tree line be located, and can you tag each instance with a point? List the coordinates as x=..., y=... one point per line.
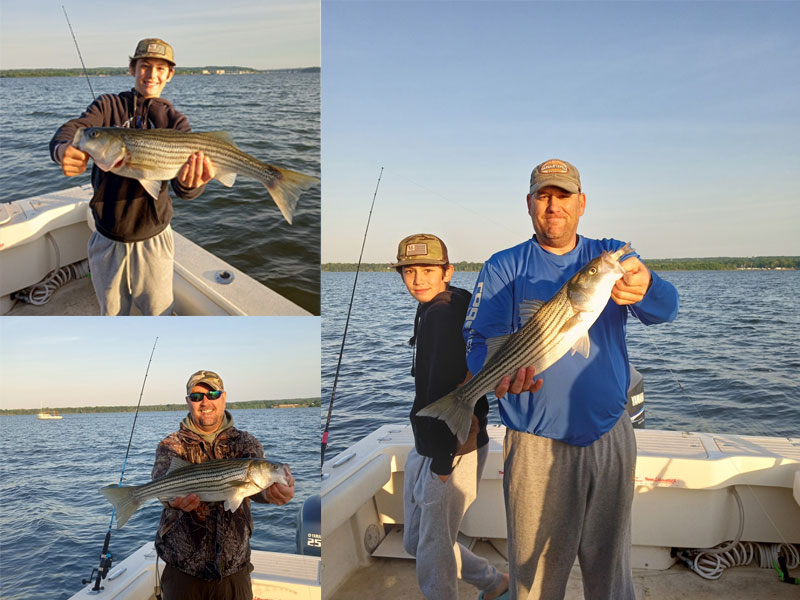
x=109, y=71
x=724, y=263
x=657, y=264
x=384, y=267
x=286, y=403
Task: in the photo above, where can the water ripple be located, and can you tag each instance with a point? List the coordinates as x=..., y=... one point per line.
x=724, y=365
x=274, y=116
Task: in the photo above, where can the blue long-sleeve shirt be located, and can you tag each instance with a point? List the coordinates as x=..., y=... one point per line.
x=581, y=398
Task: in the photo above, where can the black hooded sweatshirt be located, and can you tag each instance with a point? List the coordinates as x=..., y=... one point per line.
x=123, y=211
x=439, y=366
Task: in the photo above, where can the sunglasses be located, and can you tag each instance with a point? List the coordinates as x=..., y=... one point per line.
x=211, y=395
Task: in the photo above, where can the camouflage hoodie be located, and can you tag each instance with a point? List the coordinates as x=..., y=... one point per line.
x=209, y=543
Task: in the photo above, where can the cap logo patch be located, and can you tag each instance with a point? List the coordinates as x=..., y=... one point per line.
x=416, y=249
x=156, y=49
x=554, y=166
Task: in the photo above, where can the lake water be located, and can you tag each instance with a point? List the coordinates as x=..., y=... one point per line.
x=729, y=362
x=53, y=519
x=274, y=116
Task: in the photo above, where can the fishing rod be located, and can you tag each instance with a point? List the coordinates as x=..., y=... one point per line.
x=105, y=555
x=79, y=52
x=346, y=323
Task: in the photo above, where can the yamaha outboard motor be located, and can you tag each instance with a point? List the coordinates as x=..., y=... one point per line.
x=309, y=527
x=635, y=406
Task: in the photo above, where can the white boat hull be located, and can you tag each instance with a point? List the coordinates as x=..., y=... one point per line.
x=684, y=498
x=276, y=576
x=40, y=234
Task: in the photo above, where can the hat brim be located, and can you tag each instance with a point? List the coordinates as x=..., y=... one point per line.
x=558, y=182
x=159, y=57
x=209, y=383
x=419, y=261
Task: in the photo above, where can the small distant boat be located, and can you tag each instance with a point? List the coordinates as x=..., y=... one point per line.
x=48, y=415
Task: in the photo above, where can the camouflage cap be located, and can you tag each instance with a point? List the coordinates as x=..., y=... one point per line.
x=558, y=173
x=154, y=48
x=421, y=249
x=210, y=378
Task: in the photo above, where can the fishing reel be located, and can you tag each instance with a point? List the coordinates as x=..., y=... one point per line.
x=100, y=572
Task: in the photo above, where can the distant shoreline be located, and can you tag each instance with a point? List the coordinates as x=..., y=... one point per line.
x=756, y=263
x=253, y=404
x=113, y=71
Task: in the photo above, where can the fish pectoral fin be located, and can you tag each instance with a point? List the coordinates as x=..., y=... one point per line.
x=233, y=504
x=151, y=186
x=528, y=308
x=582, y=346
x=494, y=344
x=239, y=484
x=176, y=463
x=226, y=179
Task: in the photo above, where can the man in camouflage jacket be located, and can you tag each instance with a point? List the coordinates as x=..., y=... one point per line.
x=206, y=548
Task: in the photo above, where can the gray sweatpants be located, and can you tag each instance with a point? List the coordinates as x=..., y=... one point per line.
x=564, y=501
x=433, y=513
x=125, y=274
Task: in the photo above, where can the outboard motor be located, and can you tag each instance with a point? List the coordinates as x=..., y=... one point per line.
x=635, y=406
x=309, y=527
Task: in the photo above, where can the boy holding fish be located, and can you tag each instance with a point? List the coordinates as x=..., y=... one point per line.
x=131, y=250
x=570, y=450
x=441, y=475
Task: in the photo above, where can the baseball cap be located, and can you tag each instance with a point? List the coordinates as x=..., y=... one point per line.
x=154, y=48
x=210, y=378
x=556, y=172
x=421, y=249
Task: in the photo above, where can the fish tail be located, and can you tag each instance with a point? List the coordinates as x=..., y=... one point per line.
x=286, y=188
x=453, y=410
x=124, y=501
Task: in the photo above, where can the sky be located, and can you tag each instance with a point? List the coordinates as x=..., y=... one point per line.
x=272, y=34
x=87, y=361
x=682, y=119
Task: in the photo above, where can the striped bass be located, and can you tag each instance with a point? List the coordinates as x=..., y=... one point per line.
x=552, y=329
x=155, y=155
x=230, y=480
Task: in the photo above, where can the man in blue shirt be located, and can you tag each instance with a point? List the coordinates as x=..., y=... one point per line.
x=570, y=451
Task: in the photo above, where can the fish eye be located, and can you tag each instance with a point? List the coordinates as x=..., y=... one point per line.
x=94, y=133
x=592, y=270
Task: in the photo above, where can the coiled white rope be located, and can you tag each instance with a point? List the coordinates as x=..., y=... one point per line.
x=710, y=564
x=41, y=292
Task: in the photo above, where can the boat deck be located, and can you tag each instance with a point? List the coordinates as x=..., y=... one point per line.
x=395, y=579
x=74, y=299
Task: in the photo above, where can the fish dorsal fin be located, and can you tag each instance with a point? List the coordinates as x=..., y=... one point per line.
x=226, y=179
x=494, y=344
x=528, y=308
x=177, y=463
x=152, y=187
x=223, y=136
x=582, y=346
